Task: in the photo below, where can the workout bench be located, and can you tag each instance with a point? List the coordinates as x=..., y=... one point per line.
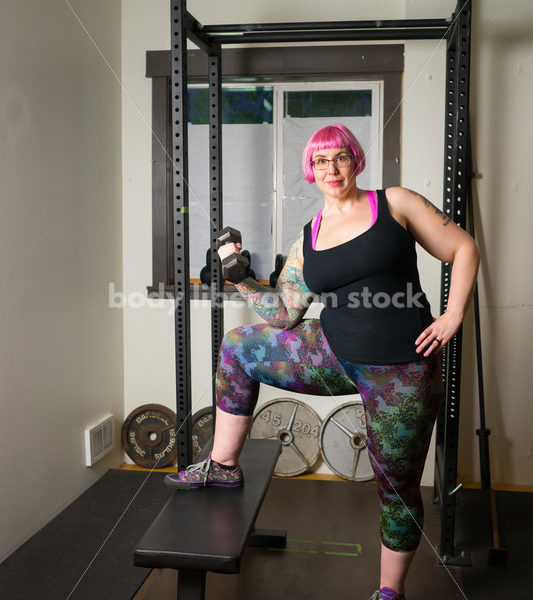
x=208, y=529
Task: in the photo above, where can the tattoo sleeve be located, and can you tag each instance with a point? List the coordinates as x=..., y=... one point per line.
x=285, y=306
x=445, y=220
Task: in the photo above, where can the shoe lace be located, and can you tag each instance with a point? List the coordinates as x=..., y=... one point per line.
x=201, y=467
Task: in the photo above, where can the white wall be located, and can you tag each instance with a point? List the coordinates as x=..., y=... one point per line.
x=502, y=129
x=60, y=217
x=500, y=89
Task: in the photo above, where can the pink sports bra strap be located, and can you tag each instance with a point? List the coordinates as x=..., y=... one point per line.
x=372, y=200
x=316, y=227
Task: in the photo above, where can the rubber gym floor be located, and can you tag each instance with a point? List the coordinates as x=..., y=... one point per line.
x=86, y=552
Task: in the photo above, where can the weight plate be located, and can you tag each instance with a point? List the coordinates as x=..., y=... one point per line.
x=202, y=431
x=343, y=442
x=297, y=426
x=149, y=436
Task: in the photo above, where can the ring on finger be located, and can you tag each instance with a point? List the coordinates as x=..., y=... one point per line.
x=437, y=340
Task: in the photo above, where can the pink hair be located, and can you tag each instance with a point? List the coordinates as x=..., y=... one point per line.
x=332, y=136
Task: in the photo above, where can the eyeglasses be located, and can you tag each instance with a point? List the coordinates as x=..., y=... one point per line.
x=341, y=162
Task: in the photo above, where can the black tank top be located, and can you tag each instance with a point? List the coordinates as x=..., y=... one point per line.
x=374, y=307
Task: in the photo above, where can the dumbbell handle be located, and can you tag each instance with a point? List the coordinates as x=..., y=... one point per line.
x=224, y=252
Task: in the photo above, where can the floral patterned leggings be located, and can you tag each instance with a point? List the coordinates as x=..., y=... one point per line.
x=400, y=401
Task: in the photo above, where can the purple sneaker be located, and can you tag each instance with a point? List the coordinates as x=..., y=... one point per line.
x=202, y=474
x=386, y=594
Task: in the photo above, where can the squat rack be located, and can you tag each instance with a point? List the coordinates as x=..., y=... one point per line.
x=210, y=39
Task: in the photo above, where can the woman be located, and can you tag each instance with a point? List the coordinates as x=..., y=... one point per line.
x=375, y=335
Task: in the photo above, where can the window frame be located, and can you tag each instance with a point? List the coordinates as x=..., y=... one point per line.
x=263, y=65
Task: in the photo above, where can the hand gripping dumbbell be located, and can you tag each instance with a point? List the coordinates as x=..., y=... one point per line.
x=235, y=267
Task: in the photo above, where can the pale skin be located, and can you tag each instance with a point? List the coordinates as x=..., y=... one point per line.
x=346, y=214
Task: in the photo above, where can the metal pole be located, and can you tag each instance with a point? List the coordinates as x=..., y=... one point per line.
x=455, y=191
x=180, y=217
x=483, y=432
x=317, y=25
x=258, y=37
x=215, y=187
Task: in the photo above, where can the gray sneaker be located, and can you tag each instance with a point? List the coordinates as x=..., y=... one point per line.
x=205, y=473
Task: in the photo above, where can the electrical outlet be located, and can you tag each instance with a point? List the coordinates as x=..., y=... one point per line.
x=99, y=440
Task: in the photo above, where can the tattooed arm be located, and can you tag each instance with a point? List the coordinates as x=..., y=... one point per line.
x=285, y=306
x=448, y=242
x=430, y=227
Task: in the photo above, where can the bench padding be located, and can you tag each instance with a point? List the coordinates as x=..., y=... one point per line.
x=207, y=529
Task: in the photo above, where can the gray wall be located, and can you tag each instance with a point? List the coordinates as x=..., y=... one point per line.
x=61, y=364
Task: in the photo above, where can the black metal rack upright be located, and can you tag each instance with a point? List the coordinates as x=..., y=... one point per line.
x=210, y=39
x=456, y=179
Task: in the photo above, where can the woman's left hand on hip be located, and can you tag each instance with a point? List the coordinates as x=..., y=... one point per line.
x=439, y=333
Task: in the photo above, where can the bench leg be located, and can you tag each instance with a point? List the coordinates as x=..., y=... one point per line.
x=272, y=538
x=191, y=585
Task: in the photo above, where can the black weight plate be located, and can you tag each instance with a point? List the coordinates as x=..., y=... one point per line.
x=202, y=430
x=149, y=436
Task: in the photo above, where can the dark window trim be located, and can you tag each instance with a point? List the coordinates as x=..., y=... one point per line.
x=264, y=65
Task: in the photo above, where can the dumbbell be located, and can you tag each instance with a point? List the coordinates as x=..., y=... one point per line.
x=278, y=267
x=247, y=255
x=235, y=267
x=205, y=273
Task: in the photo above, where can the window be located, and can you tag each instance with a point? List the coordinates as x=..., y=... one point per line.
x=302, y=109
x=247, y=173
x=266, y=123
